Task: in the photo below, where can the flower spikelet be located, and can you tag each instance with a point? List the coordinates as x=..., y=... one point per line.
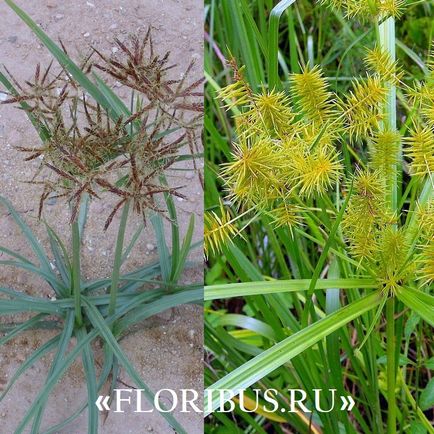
x=219, y=230
x=310, y=90
x=366, y=214
x=253, y=174
x=362, y=108
x=320, y=170
x=420, y=150
x=270, y=112
x=286, y=215
x=425, y=263
x=380, y=62
x=383, y=153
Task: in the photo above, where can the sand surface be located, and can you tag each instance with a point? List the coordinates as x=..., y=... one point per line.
x=168, y=349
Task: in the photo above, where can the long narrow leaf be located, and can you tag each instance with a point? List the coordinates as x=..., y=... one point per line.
x=281, y=286
x=281, y=353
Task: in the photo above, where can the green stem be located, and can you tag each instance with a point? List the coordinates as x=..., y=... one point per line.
x=387, y=42
x=391, y=373
x=118, y=258
x=76, y=280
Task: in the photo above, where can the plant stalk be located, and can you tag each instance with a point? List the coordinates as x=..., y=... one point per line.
x=118, y=258
x=387, y=42
x=76, y=272
x=391, y=373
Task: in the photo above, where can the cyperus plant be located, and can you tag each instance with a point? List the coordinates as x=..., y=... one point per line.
x=93, y=147
x=341, y=200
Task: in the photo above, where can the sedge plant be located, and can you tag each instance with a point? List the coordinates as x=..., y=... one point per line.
x=93, y=146
x=333, y=201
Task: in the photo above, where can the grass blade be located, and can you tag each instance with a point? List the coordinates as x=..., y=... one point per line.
x=215, y=292
x=100, y=324
x=281, y=353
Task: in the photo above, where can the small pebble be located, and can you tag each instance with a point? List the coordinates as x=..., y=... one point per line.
x=114, y=26
x=189, y=175
x=52, y=201
x=59, y=17
x=3, y=96
x=86, y=35
x=115, y=50
x=91, y=5
x=150, y=247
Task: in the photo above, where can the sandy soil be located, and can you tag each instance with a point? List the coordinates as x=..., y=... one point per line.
x=168, y=350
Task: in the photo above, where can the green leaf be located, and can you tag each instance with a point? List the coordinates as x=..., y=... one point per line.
x=139, y=313
x=163, y=251
x=92, y=389
x=273, y=42
x=426, y=400
x=420, y=302
x=184, y=251
x=27, y=232
x=281, y=353
x=64, y=342
x=30, y=361
x=99, y=323
x=281, y=286
x=23, y=327
x=66, y=62
x=248, y=323
x=429, y=364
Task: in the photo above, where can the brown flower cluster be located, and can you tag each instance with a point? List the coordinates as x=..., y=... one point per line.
x=86, y=150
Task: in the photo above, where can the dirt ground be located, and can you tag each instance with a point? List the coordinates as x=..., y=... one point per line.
x=168, y=351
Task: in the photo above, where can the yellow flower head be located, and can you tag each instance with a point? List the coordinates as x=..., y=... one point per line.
x=318, y=171
x=219, y=230
x=254, y=174
x=286, y=215
x=420, y=151
x=270, y=112
x=426, y=264
x=309, y=90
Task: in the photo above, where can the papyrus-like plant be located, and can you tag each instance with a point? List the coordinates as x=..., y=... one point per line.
x=338, y=196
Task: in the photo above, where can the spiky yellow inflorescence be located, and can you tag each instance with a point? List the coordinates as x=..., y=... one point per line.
x=363, y=107
x=420, y=150
x=311, y=94
x=219, y=230
x=391, y=8
x=373, y=235
x=368, y=9
x=318, y=171
x=379, y=62
x=253, y=176
x=366, y=214
x=425, y=263
x=238, y=93
x=393, y=249
x=384, y=151
x=425, y=218
x=287, y=157
x=268, y=111
x=286, y=215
